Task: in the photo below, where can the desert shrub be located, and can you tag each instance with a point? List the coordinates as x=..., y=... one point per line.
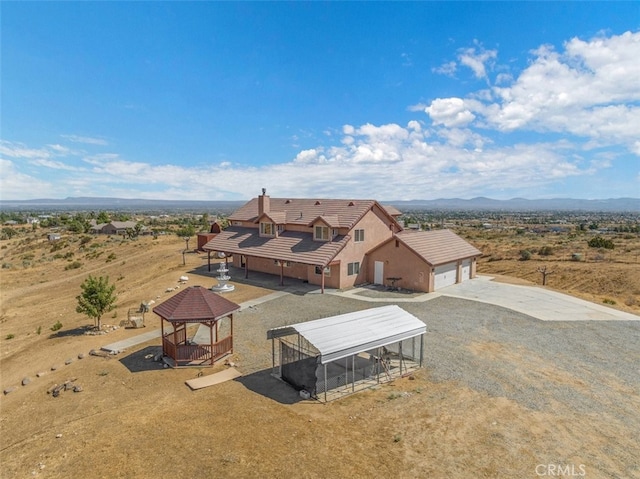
x=57, y=246
x=39, y=330
x=28, y=256
x=630, y=301
x=85, y=239
x=57, y=326
x=600, y=242
x=74, y=265
x=6, y=265
x=525, y=255
x=545, y=251
x=111, y=257
x=608, y=301
x=10, y=336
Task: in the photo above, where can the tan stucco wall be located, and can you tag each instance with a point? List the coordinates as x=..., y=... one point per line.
x=376, y=230
x=401, y=262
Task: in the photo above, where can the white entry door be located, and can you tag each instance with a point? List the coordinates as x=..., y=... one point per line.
x=378, y=272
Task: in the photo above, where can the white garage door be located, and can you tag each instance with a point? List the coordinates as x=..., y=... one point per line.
x=466, y=270
x=445, y=275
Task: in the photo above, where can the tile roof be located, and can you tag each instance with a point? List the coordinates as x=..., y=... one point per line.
x=439, y=246
x=293, y=246
x=303, y=211
x=195, y=304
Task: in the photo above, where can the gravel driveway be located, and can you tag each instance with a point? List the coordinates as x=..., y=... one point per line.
x=591, y=367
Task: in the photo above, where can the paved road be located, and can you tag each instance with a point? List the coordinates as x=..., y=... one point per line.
x=538, y=302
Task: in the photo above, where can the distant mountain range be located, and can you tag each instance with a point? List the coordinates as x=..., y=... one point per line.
x=453, y=204
x=522, y=204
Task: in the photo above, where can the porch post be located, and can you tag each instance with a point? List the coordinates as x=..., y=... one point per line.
x=231, y=317
x=211, y=341
x=281, y=273
x=322, y=279
x=246, y=267
x=162, y=332
x=209, y=260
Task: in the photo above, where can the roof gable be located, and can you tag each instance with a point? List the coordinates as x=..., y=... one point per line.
x=277, y=217
x=438, y=246
x=331, y=221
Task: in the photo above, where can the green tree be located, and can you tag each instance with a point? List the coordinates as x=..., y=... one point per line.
x=103, y=217
x=97, y=298
x=600, y=242
x=186, y=233
x=8, y=233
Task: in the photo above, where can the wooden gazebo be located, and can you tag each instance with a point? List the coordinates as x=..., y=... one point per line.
x=192, y=305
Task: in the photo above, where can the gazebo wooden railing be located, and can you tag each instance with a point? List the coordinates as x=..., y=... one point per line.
x=196, y=352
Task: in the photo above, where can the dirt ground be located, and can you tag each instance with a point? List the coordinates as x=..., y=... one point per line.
x=134, y=418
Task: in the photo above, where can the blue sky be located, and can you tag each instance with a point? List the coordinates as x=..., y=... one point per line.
x=393, y=101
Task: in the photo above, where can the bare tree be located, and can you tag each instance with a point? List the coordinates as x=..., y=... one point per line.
x=545, y=272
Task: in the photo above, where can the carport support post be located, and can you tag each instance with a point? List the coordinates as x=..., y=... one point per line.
x=421, y=348
x=273, y=356
x=208, y=260
x=353, y=373
x=325, y=382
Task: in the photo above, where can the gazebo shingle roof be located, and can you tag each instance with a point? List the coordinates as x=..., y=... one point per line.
x=195, y=304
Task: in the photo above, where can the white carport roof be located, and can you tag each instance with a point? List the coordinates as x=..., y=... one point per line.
x=340, y=336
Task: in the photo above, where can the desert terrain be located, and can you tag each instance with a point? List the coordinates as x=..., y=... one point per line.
x=501, y=396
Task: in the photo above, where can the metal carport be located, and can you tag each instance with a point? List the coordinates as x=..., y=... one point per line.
x=340, y=354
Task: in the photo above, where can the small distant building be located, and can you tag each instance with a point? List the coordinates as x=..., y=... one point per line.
x=204, y=238
x=52, y=237
x=113, y=228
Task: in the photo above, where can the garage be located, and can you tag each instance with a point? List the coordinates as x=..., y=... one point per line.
x=466, y=270
x=445, y=275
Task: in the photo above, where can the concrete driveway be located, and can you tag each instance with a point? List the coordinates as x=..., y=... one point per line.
x=538, y=302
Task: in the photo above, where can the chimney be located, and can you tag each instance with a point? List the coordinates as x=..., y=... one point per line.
x=263, y=202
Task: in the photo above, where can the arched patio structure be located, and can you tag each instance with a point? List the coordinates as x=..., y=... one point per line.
x=196, y=305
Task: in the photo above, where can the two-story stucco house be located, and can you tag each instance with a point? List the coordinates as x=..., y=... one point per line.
x=340, y=243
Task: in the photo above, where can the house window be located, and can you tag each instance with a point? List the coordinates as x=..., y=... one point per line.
x=266, y=229
x=358, y=236
x=321, y=233
x=353, y=268
x=327, y=270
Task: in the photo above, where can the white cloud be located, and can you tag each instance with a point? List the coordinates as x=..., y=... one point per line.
x=448, y=69
x=450, y=112
x=19, y=150
x=85, y=139
x=477, y=59
x=15, y=184
x=589, y=90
